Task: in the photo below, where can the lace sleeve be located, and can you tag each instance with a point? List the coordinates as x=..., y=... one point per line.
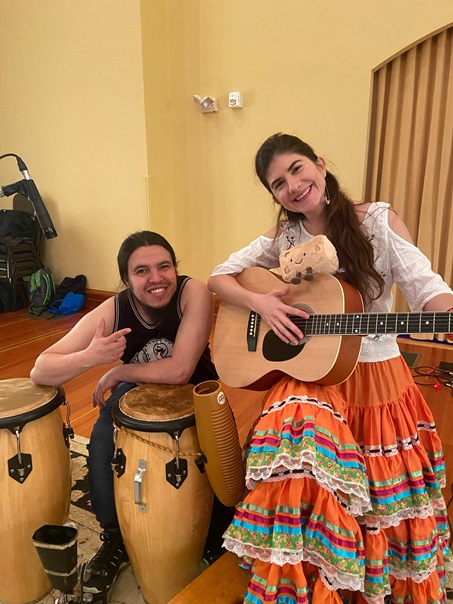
x=413, y=273
x=263, y=252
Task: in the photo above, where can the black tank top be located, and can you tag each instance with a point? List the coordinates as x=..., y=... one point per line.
x=147, y=343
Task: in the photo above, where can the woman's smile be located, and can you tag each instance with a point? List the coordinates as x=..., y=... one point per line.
x=296, y=182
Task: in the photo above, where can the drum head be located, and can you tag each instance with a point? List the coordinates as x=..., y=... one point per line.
x=22, y=401
x=156, y=407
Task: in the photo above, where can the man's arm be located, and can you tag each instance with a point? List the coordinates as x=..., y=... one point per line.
x=89, y=343
x=197, y=305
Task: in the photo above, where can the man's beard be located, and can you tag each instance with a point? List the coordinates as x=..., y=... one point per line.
x=153, y=315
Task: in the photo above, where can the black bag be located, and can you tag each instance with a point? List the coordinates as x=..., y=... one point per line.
x=9, y=302
x=69, y=296
x=17, y=224
x=70, y=285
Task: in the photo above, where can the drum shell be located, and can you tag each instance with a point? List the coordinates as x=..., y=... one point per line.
x=43, y=498
x=165, y=543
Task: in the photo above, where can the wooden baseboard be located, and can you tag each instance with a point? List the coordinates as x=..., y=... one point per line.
x=94, y=297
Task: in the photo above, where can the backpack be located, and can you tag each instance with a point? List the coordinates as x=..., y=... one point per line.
x=41, y=290
x=69, y=296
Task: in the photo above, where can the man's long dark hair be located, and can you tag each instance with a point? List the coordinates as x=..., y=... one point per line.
x=136, y=240
x=355, y=252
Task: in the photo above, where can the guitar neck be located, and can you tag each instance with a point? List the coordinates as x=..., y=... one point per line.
x=361, y=324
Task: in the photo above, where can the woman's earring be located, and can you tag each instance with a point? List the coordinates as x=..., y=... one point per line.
x=326, y=196
x=284, y=220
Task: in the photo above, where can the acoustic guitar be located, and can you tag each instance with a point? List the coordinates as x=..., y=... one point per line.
x=248, y=354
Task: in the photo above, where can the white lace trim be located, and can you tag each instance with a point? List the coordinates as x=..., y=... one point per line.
x=410, y=574
x=389, y=450
x=294, y=399
x=331, y=577
x=428, y=426
x=378, y=599
x=334, y=579
x=307, y=466
x=373, y=522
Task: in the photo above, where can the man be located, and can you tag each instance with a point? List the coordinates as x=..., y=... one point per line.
x=159, y=327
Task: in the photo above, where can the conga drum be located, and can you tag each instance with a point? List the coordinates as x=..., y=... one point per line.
x=162, y=494
x=35, y=483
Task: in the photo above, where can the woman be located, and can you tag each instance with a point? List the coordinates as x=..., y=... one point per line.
x=344, y=482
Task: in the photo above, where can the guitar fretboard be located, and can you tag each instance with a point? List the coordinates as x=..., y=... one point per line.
x=368, y=323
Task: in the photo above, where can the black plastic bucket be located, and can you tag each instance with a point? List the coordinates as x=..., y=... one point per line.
x=57, y=548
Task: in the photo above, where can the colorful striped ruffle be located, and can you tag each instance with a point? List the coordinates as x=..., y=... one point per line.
x=344, y=499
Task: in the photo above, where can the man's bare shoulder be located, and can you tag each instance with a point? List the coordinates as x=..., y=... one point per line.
x=196, y=292
x=196, y=284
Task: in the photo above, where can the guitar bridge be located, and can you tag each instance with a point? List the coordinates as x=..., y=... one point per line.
x=252, y=331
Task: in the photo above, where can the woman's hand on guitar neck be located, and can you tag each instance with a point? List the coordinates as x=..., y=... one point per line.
x=275, y=312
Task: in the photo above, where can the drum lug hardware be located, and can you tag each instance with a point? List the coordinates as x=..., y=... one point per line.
x=200, y=463
x=176, y=472
x=20, y=466
x=68, y=432
x=119, y=462
x=177, y=469
x=138, y=485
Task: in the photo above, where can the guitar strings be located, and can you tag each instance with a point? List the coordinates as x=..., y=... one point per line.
x=354, y=323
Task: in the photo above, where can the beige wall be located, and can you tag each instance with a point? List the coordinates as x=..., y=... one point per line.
x=99, y=104
x=72, y=106
x=303, y=66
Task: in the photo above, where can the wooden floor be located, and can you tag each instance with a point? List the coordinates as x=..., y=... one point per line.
x=23, y=338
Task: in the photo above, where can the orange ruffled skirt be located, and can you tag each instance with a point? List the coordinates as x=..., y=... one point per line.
x=344, y=499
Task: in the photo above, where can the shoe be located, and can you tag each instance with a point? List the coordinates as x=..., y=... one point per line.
x=103, y=569
x=212, y=554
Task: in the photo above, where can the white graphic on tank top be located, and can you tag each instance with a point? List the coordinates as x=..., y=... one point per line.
x=154, y=350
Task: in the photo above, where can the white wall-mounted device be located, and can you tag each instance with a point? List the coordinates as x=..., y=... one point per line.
x=235, y=100
x=206, y=104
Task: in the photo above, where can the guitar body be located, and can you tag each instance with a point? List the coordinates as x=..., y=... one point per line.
x=324, y=359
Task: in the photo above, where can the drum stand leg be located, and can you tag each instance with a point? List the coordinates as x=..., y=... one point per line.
x=104, y=596
x=66, y=598
x=88, y=598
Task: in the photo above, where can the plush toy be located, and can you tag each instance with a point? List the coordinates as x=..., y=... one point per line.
x=306, y=259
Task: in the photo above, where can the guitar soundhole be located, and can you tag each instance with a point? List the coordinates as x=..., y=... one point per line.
x=274, y=349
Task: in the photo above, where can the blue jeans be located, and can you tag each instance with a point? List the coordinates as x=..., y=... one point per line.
x=100, y=455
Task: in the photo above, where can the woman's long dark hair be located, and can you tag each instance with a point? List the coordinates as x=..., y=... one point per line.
x=355, y=252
